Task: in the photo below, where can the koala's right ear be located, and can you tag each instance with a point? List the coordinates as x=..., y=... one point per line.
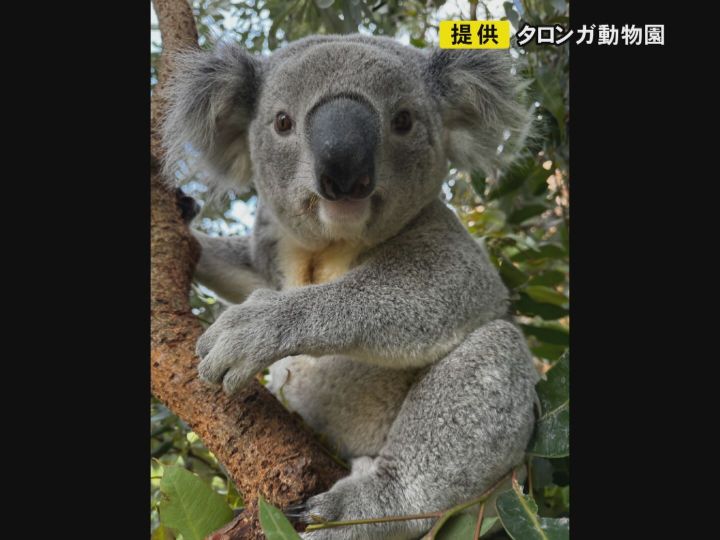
x=211, y=101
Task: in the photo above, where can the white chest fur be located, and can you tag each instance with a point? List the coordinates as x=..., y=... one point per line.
x=302, y=266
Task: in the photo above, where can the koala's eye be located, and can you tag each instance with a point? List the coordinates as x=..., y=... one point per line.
x=402, y=122
x=283, y=122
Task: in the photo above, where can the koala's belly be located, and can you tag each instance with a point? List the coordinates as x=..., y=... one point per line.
x=351, y=404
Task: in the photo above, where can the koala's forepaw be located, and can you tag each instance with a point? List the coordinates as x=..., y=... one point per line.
x=326, y=506
x=240, y=343
x=223, y=362
x=323, y=507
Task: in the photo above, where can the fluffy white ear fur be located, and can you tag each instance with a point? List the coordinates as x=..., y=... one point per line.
x=482, y=104
x=211, y=99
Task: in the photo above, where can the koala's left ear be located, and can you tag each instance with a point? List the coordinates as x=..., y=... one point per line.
x=481, y=102
x=211, y=101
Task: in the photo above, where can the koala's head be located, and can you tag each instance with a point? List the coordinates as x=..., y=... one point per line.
x=343, y=137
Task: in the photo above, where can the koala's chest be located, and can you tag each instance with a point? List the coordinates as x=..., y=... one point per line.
x=301, y=266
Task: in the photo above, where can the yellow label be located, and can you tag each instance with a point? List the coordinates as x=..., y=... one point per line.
x=474, y=34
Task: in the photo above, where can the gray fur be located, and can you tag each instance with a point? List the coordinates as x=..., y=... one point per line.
x=226, y=267
x=407, y=362
x=211, y=101
x=479, y=90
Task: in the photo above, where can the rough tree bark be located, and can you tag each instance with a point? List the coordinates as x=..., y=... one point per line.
x=264, y=448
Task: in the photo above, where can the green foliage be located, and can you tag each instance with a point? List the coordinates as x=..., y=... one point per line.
x=162, y=533
x=274, y=523
x=190, y=506
x=519, y=517
x=551, y=438
x=521, y=214
x=173, y=444
x=462, y=527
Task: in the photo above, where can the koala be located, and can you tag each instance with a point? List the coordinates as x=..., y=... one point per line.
x=380, y=318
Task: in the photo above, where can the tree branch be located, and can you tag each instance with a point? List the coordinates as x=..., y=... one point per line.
x=264, y=448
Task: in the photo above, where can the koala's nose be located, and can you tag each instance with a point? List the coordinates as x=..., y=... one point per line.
x=343, y=138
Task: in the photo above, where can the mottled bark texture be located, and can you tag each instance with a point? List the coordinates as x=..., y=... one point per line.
x=263, y=447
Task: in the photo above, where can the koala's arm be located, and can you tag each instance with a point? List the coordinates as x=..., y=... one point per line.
x=226, y=266
x=406, y=306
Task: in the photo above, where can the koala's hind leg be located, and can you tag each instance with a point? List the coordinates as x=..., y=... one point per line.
x=463, y=425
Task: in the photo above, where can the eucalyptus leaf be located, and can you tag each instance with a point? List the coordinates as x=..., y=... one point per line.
x=511, y=275
x=553, y=335
x=551, y=437
x=191, y=506
x=546, y=251
x=547, y=351
x=546, y=295
x=233, y=497
x=479, y=183
x=518, y=515
x=549, y=278
x=462, y=527
x=555, y=389
x=274, y=523
x=527, y=306
x=162, y=533
x=526, y=212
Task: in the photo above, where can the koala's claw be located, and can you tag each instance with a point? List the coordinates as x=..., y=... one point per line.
x=236, y=378
x=220, y=370
x=327, y=506
x=212, y=372
x=204, y=345
x=312, y=514
x=295, y=511
x=221, y=365
x=217, y=358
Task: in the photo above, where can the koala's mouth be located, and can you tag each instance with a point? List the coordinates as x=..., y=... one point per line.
x=344, y=211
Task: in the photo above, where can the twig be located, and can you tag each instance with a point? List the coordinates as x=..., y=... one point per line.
x=478, y=525
x=473, y=10
x=331, y=524
x=460, y=507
